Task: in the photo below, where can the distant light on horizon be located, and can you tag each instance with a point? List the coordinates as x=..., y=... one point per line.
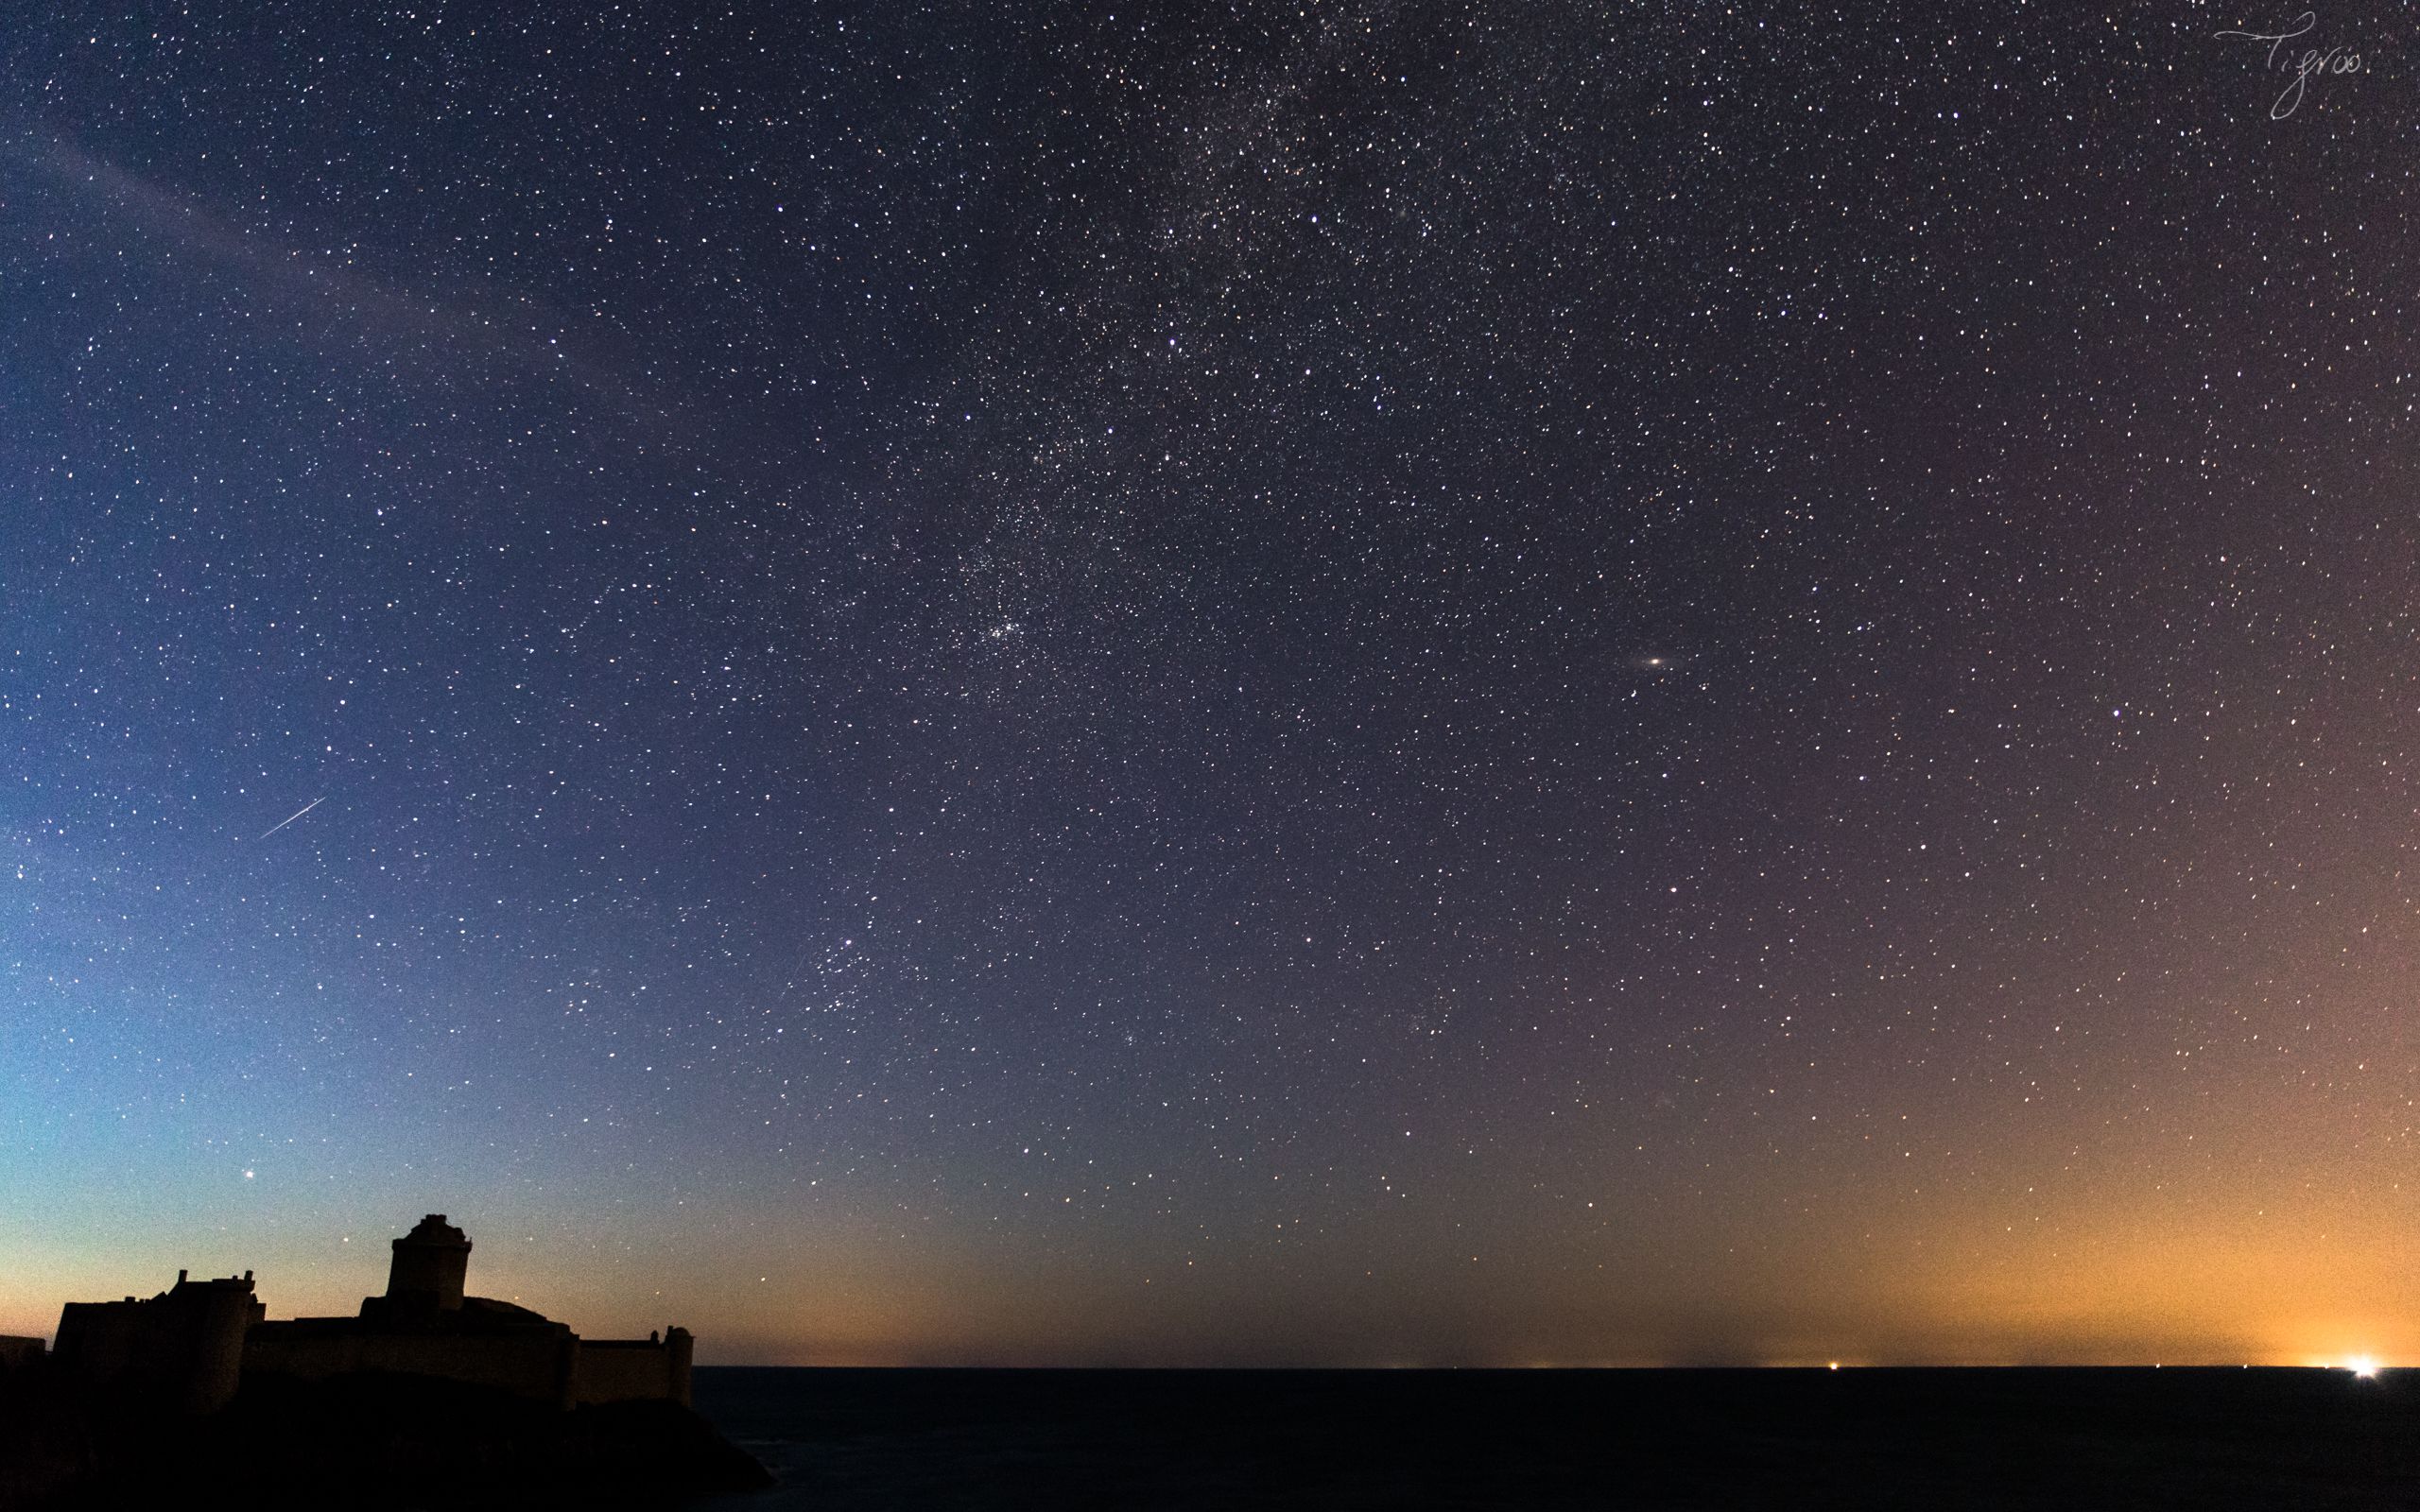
x=2365, y=1367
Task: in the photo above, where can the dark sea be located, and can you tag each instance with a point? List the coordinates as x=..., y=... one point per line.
x=1999, y=1438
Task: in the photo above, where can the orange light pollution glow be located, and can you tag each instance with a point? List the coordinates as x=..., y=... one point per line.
x=2164, y=1210
x=2195, y=1273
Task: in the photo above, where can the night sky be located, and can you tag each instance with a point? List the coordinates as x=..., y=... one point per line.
x=1451, y=683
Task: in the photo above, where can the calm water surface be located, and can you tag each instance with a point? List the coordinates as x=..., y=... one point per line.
x=850, y=1439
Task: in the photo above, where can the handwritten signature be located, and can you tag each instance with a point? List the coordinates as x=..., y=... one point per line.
x=2313, y=60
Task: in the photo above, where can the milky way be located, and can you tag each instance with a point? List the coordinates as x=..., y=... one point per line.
x=1458, y=683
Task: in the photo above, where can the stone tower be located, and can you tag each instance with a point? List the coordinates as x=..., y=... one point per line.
x=429, y=1265
x=181, y=1350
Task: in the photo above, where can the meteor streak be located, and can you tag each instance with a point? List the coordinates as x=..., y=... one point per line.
x=296, y=815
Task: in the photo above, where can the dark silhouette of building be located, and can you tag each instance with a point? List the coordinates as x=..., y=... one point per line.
x=430, y=1266
x=425, y=1326
x=19, y=1354
x=189, y=1347
x=181, y=1350
x=428, y=1397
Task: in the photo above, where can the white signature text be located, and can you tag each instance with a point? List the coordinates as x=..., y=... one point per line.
x=2312, y=61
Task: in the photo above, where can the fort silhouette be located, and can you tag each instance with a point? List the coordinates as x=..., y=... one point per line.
x=189, y=1349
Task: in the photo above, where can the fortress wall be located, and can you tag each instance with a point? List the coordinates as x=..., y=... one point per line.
x=536, y=1365
x=213, y=1339
x=97, y=1341
x=183, y=1350
x=626, y=1369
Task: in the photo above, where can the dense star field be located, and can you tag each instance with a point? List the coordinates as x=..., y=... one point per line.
x=1260, y=683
